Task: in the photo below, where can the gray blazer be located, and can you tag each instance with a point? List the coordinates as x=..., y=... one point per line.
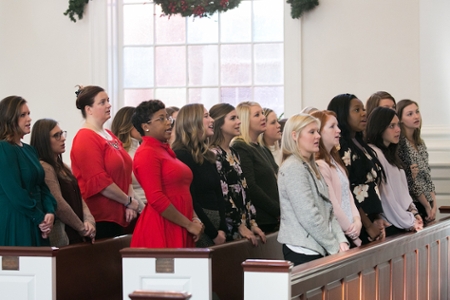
x=307, y=218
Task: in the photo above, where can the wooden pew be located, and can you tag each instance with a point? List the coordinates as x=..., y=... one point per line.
x=204, y=273
x=81, y=271
x=407, y=266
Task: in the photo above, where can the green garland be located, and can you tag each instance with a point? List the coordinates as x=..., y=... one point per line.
x=298, y=7
x=196, y=8
x=76, y=7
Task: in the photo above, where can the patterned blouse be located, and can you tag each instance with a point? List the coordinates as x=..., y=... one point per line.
x=238, y=208
x=409, y=155
x=363, y=175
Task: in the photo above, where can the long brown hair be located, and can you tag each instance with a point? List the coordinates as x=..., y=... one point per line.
x=40, y=139
x=10, y=109
x=190, y=133
x=323, y=116
x=121, y=125
x=401, y=105
x=218, y=112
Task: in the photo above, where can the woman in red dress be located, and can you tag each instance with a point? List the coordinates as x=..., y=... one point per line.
x=168, y=220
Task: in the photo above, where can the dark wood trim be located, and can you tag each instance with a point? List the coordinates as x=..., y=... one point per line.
x=260, y=265
x=167, y=253
x=155, y=295
x=29, y=251
x=444, y=209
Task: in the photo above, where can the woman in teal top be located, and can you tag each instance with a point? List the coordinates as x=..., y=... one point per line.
x=27, y=206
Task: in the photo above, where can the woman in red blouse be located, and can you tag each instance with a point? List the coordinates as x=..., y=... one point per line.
x=101, y=166
x=168, y=220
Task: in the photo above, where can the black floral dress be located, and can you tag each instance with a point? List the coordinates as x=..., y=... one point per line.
x=238, y=208
x=364, y=172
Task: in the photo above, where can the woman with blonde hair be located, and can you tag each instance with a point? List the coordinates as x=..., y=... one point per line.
x=272, y=136
x=413, y=153
x=308, y=229
x=239, y=211
x=123, y=128
x=258, y=166
x=336, y=176
x=193, y=128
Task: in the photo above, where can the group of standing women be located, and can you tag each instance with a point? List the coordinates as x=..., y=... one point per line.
x=374, y=164
x=340, y=178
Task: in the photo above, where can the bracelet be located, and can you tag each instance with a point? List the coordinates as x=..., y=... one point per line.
x=131, y=200
x=195, y=218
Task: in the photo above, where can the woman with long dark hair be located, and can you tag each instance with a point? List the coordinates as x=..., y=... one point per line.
x=74, y=220
x=364, y=169
x=239, y=210
x=383, y=135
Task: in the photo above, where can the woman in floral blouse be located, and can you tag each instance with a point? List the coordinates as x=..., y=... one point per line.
x=413, y=153
x=239, y=211
x=364, y=169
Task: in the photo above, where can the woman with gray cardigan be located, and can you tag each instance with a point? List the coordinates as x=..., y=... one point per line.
x=308, y=229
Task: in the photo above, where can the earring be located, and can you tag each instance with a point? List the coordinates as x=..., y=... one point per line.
x=146, y=130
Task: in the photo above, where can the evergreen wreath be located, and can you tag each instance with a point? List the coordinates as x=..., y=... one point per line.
x=298, y=7
x=186, y=8
x=76, y=7
x=196, y=8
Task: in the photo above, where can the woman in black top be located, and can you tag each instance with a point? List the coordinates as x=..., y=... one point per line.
x=193, y=127
x=364, y=169
x=258, y=165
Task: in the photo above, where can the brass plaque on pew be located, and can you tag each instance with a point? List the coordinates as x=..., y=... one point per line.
x=165, y=265
x=10, y=263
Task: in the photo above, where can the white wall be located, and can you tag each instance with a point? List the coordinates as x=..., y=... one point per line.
x=355, y=46
x=43, y=55
x=360, y=47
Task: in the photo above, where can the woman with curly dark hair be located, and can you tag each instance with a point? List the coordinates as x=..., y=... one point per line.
x=168, y=219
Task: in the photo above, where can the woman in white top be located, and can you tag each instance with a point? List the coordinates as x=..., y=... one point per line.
x=383, y=134
x=124, y=130
x=272, y=136
x=336, y=176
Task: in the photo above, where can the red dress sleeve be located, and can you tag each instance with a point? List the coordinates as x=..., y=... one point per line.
x=88, y=163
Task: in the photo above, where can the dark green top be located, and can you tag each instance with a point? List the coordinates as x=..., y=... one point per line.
x=24, y=196
x=260, y=171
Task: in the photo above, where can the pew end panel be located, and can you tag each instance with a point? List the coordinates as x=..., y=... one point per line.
x=259, y=273
x=227, y=275
x=178, y=270
x=91, y=271
x=28, y=273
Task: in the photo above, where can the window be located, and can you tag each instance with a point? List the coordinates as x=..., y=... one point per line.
x=230, y=57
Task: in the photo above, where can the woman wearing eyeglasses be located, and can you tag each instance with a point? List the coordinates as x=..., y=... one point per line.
x=168, y=220
x=27, y=207
x=102, y=166
x=74, y=221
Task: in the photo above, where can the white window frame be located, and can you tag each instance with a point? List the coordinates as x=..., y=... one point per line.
x=104, y=54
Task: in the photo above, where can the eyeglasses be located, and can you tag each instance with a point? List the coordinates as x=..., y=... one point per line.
x=60, y=134
x=162, y=119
